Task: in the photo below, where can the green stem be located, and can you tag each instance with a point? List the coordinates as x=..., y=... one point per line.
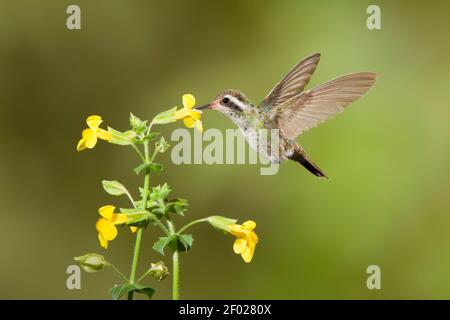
x=138, y=152
x=149, y=128
x=137, y=245
x=120, y=274
x=190, y=224
x=175, y=267
x=143, y=276
x=163, y=228
x=155, y=152
x=131, y=199
x=176, y=276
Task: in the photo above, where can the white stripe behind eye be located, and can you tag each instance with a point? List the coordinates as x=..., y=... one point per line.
x=237, y=102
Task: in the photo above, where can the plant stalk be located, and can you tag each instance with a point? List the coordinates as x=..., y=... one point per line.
x=137, y=244
x=175, y=267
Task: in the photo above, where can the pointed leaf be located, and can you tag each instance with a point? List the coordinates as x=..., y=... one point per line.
x=150, y=136
x=160, y=192
x=145, y=290
x=186, y=240
x=153, y=167
x=160, y=245
x=114, y=187
x=118, y=291
x=137, y=124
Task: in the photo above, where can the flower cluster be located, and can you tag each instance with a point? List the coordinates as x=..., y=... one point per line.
x=154, y=207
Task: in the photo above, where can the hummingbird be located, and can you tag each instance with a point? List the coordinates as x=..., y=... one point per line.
x=291, y=111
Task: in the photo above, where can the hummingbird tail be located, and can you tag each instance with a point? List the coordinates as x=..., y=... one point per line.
x=301, y=157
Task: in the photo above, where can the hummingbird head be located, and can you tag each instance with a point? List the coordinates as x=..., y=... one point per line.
x=231, y=103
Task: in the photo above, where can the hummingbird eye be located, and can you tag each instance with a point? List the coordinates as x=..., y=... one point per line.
x=225, y=100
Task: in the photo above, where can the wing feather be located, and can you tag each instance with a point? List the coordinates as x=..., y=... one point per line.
x=293, y=83
x=308, y=109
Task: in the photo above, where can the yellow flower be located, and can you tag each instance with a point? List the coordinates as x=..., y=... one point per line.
x=91, y=134
x=246, y=239
x=106, y=226
x=191, y=117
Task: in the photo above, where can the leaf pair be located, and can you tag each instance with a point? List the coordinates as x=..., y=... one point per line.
x=119, y=291
x=176, y=242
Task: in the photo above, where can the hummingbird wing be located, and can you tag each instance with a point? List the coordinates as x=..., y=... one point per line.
x=321, y=103
x=293, y=83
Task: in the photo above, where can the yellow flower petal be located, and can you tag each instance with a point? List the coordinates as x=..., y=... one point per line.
x=253, y=237
x=133, y=229
x=106, y=228
x=188, y=101
x=247, y=255
x=81, y=145
x=237, y=230
x=189, y=122
x=195, y=114
x=249, y=225
x=107, y=211
x=103, y=134
x=103, y=242
x=239, y=246
x=119, y=218
x=91, y=141
x=93, y=122
x=181, y=114
x=87, y=133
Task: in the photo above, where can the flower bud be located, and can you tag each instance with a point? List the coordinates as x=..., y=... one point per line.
x=162, y=145
x=92, y=262
x=158, y=271
x=221, y=223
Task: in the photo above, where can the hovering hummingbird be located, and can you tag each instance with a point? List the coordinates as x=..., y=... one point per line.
x=291, y=110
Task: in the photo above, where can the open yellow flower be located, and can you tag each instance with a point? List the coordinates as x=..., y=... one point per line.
x=246, y=239
x=92, y=134
x=106, y=225
x=191, y=117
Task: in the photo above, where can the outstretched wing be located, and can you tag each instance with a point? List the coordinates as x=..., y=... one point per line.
x=315, y=106
x=293, y=83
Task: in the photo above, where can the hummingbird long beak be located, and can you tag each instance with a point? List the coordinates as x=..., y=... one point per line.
x=206, y=106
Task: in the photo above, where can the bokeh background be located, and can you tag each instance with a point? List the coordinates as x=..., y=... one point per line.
x=388, y=156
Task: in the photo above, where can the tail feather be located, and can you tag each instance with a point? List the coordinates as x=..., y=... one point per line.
x=301, y=157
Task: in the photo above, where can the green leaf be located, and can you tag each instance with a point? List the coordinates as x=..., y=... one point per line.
x=122, y=138
x=160, y=192
x=114, y=187
x=178, y=206
x=186, y=240
x=137, y=124
x=176, y=242
x=150, y=136
x=144, y=290
x=150, y=203
x=161, y=244
x=153, y=167
x=118, y=291
x=165, y=117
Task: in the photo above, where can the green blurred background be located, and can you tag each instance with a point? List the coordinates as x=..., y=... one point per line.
x=387, y=202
